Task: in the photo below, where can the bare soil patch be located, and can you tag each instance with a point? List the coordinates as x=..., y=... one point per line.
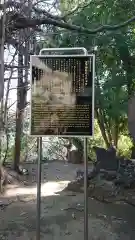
x=62, y=214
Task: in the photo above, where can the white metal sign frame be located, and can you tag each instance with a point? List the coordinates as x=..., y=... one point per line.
x=85, y=53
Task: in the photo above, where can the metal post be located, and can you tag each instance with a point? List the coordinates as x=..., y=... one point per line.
x=86, y=234
x=39, y=187
x=85, y=190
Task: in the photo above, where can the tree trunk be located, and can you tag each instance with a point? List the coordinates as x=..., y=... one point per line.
x=102, y=121
x=2, y=42
x=128, y=62
x=102, y=128
x=21, y=103
x=19, y=113
x=115, y=132
x=22, y=88
x=75, y=155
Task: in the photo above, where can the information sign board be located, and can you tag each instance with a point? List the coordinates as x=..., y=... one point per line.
x=62, y=95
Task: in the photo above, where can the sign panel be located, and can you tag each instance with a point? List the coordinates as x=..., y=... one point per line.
x=62, y=95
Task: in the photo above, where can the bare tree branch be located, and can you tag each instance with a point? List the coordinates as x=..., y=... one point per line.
x=11, y=105
x=13, y=78
x=76, y=9
x=45, y=20
x=15, y=44
x=7, y=92
x=49, y=15
x=7, y=66
x=22, y=23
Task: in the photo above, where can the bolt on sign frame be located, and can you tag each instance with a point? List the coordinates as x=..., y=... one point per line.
x=85, y=72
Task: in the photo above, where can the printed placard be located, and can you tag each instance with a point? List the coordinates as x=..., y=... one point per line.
x=62, y=95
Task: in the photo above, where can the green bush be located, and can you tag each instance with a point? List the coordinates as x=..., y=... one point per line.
x=124, y=146
x=124, y=143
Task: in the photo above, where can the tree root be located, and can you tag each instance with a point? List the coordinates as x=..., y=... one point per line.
x=103, y=200
x=4, y=205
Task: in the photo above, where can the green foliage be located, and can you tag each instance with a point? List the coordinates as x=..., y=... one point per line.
x=52, y=148
x=124, y=146
x=113, y=77
x=124, y=143
x=115, y=71
x=113, y=49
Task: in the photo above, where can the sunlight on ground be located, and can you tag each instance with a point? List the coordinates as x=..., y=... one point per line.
x=47, y=189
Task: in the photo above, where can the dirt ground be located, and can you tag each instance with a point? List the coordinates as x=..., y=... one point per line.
x=61, y=211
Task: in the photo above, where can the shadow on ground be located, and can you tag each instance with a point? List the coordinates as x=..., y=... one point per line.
x=61, y=211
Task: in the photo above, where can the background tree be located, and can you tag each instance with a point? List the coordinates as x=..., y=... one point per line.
x=104, y=28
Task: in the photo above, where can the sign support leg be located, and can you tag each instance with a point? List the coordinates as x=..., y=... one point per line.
x=85, y=190
x=39, y=188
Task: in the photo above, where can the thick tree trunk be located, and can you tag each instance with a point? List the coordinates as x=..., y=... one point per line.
x=2, y=42
x=128, y=63
x=22, y=88
x=102, y=121
x=19, y=113
x=1, y=96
